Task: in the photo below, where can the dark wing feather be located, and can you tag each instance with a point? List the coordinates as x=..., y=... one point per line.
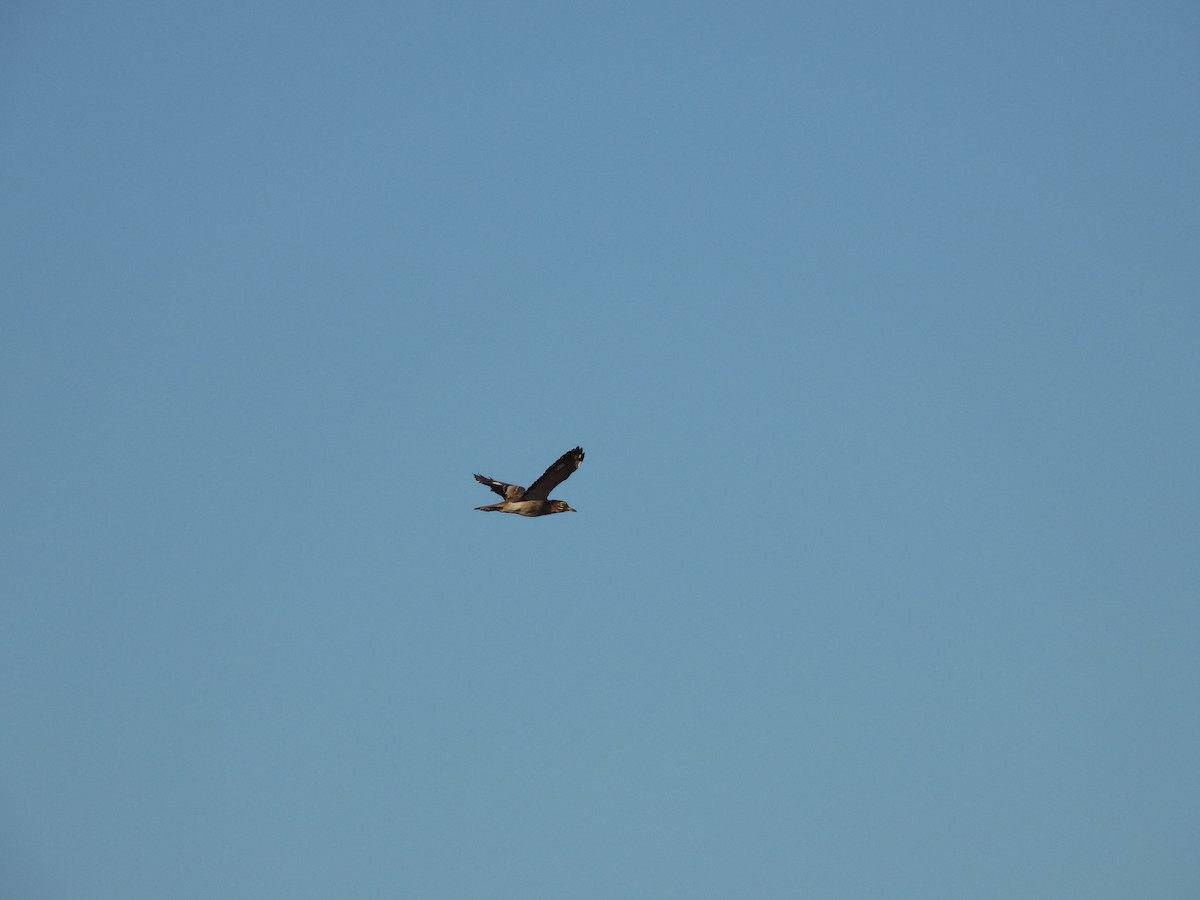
x=555, y=475
x=507, y=491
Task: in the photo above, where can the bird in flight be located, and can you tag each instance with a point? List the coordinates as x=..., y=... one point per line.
x=535, y=499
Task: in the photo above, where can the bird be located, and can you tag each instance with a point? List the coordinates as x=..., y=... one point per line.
x=535, y=499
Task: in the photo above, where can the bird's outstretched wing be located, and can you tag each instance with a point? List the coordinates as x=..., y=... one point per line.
x=507, y=491
x=555, y=475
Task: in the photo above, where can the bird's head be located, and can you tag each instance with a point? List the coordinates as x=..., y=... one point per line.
x=557, y=506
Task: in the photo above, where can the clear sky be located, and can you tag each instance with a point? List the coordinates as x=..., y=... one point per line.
x=879, y=324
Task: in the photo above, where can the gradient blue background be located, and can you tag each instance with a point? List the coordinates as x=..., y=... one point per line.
x=879, y=324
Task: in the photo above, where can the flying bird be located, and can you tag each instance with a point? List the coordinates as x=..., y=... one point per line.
x=535, y=499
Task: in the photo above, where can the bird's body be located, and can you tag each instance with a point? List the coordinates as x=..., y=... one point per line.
x=528, y=507
x=535, y=499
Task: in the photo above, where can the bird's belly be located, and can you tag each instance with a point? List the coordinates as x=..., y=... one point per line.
x=525, y=507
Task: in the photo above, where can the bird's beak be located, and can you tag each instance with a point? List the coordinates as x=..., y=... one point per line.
x=570, y=509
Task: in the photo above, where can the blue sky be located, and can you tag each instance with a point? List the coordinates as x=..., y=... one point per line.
x=879, y=326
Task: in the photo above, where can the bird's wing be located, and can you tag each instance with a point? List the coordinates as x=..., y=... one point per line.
x=555, y=475
x=507, y=491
